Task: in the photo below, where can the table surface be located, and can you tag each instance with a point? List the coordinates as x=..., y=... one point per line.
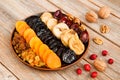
x=12, y=10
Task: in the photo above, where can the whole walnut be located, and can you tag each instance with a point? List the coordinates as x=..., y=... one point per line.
x=100, y=65
x=91, y=16
x=104, y=12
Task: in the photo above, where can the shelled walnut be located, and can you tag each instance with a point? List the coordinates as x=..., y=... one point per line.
x=98, y=40
x=91, y=16
x=104, y=29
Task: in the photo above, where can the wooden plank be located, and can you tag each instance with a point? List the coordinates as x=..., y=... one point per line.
x=8, y=58
x=99, y=49
x=79, y=9
x=5, y=74
x=115, y=9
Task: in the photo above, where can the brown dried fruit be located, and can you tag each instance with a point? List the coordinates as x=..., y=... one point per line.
x=77, y=20
x=97, y=40
x=91, y=16
x=104, y=29
x=100, y=65
x=70, y=16
x=104, y=12
x=82, y=27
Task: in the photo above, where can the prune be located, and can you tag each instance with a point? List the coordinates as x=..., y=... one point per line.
x=46, y=41
x=68, y=56
x=60, y=51
x=55, y=49
x=84, y=36
x=53, y=45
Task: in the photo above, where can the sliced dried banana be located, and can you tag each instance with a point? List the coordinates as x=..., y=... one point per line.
x=59, y=28
x=46, y=16
x=51, y=23
x=76, y=45
x=66, y=35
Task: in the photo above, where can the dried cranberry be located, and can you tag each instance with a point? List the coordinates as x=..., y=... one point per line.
x=94, y=74
x=84, y=36
x=69, y=23
x=74, y=26
x=87, y=67
x=110, y=61
x=93, y=56
x=104, y=52
x=58, y=14
x=79, y=71
x=64, y=19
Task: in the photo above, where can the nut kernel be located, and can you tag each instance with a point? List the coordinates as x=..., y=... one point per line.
x=104, y=29
x=97, y=40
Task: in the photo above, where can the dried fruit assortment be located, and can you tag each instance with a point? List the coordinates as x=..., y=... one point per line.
x=51, y=39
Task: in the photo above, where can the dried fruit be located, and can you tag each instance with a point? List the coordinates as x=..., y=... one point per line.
x=104, y=12
x=77, y=20
x=104, y=52
x=93, y=56
x=58, y=14
x=104, y=29
x=91, y=16
x=82, y=27
x=94, y=74
x=84, y=37
x=110, y=61
x=100, y=65
x=87, y=67
x=79, y=71
x=70, y=16
x=97, y=40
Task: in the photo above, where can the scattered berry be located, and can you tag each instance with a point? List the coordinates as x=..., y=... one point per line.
x=87, y=67
x=104, y=52
x=93, y=56
x=94, y=74
x=110, y=61
x=79, y=71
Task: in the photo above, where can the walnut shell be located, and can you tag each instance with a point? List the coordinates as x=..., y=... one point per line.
x=91, y=16
x=104, y=12
x=100, y=65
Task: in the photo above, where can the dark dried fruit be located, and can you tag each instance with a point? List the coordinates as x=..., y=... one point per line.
x=84, y=36
x=68, y=57
x=58, y=14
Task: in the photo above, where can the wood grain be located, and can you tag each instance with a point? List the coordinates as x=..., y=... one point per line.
x=20, y=9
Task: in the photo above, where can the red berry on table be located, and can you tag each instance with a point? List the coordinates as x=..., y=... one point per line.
x=94, y=74
x=104, y=52
x=87, y=67
x=110, y=61
x=93, y=56
x=79, y=71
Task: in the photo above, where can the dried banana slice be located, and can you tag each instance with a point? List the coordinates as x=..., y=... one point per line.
x=66, y=35
x=76, y=45
x=51, y=23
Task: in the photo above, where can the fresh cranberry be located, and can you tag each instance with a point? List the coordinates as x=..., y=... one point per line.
x=58, y=14
x=104, y=52
x=87, y=67
x=110, y=61
x=94, y=74
x=79, y=71
x=93, y=56
x=64, y=19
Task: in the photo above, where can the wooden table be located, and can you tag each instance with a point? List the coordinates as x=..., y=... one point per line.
x=12, y=10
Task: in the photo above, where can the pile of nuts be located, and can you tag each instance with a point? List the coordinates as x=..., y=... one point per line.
x=99, y=64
